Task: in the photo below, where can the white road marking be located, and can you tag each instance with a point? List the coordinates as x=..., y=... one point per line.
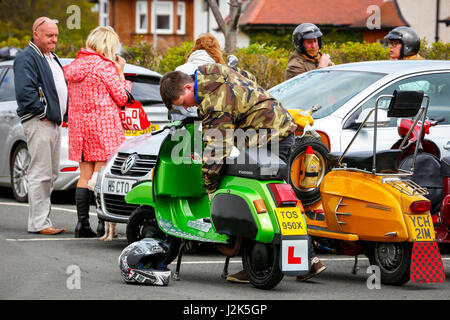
x=18, y=204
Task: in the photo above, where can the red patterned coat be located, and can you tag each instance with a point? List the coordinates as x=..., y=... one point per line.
x=95, y=94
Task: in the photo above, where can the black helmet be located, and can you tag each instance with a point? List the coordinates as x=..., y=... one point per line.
x=143, y=262
x=306, y=31
x=408, y=37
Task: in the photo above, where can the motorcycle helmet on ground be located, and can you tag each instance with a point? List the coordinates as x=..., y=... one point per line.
x=143, y=262
x=408, y=37
x=306, y=31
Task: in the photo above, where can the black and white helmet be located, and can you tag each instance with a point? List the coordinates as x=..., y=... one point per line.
x=305, y=31
x=408, y=37
x=143, y=262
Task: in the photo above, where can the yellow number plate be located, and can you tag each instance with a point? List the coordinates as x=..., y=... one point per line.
x=291, y=221
x=130, y=133
x=422, y=227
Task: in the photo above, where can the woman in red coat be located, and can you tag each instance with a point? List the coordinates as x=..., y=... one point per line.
x=97, y=87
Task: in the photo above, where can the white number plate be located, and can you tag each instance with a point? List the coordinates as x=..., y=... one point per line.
x=117, y=186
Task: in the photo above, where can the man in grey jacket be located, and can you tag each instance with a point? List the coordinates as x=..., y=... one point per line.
x=41, y=94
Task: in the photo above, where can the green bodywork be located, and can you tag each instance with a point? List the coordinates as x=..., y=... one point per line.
x=181, y=203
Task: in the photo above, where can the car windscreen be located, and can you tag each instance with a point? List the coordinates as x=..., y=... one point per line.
x=327, y=89
x=145, y=89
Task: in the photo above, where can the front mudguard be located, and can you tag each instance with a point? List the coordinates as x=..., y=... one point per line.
x=141, y=194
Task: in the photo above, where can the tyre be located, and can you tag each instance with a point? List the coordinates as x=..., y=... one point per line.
x=297, y=170
x=20, y=160
x=394, y=261
x=142, y=224
x=261, y=263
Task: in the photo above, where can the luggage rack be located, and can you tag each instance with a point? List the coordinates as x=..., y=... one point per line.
x=406, y=186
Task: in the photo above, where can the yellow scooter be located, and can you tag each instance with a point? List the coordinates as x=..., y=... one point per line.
x=368, y=206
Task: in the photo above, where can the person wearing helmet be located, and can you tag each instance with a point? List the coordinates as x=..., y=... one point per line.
x=307, y=40
x=404, y=44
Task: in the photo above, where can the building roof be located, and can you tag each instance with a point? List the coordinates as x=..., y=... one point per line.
x=341, y=13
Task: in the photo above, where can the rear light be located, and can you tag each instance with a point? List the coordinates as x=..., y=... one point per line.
x=260, y=206
x=283, y=194
x=420, y=206
x=69, y=169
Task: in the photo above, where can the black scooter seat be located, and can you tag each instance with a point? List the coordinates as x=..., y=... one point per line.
x=386, y=161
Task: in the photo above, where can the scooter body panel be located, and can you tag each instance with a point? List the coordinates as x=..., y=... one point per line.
x=360, y=203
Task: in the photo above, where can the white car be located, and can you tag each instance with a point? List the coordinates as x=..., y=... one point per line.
x=345, y=91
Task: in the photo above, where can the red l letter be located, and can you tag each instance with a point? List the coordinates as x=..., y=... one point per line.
x=291, y=258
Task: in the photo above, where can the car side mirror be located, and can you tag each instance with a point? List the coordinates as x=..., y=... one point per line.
x=382, y=121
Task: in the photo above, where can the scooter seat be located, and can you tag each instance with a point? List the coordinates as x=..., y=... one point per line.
x=386, y=161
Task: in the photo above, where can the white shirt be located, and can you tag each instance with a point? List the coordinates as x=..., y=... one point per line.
x=60, y=83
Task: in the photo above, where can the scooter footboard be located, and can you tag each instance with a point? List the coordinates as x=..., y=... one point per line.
x=426, y=263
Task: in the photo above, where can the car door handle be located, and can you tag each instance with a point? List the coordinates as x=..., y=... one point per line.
x=447, y=146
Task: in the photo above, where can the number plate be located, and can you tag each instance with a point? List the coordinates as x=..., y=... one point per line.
x=422, y=227
x=132, y=133
x=117, y=186
x=291, y=221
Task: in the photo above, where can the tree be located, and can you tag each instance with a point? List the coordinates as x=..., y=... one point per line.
x=17, y=17
x=230, y=27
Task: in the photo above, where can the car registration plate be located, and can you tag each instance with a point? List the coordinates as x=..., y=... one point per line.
x=132, y=133
x=422, y=227
x=117, y=186
x=291, y=221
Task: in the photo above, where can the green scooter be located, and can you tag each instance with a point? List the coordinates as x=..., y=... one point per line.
x=253, y=213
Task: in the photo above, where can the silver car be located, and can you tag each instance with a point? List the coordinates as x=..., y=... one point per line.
x=346, y=92
x=14, y=158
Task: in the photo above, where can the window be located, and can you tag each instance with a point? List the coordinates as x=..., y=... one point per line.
x=141, y=16
x=162, y=17
x=7, y=92
x=103, y=14
x=181, y=18
x=436, y=86
x=320, y=87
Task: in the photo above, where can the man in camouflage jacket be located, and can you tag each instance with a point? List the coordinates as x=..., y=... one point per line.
x=227, y=99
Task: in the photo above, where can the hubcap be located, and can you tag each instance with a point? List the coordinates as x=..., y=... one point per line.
x=389, y=256
x=20, y=168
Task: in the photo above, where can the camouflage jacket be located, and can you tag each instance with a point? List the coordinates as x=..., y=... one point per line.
x=230, y=100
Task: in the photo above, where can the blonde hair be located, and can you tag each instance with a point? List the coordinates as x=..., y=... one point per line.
x=105, y=41
x=209, y=43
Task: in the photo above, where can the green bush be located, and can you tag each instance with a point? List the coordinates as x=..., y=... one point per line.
x=356, y=51
x=266, y=63
x=175, y=57
x=142, y=54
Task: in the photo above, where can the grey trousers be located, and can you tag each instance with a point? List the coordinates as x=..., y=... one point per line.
x=44, y=144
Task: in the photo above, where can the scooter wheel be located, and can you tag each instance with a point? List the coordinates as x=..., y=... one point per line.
x=261, y=263
x=394, y=261
x=296, y=168
x=142, y=224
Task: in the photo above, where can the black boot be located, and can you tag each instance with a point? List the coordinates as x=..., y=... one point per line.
x=83, y=201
